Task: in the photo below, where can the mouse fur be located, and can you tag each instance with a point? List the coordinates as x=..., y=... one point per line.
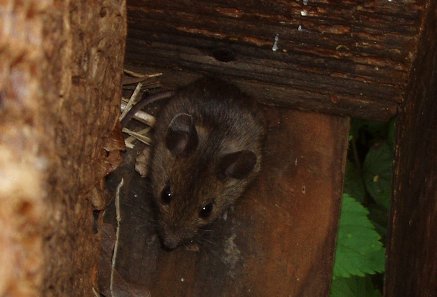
x=207, y=149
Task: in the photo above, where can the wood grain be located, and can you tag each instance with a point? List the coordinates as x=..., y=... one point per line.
x=344, y=57
x=412, y=257
x=60, y=75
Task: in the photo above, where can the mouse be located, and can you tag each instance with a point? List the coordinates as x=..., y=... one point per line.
x=206, y=150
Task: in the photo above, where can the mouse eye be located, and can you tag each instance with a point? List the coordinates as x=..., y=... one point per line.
x=166, y=195
x=206, y=211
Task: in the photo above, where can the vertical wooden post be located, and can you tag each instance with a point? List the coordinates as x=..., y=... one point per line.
x=60, y=78
x=412, y=256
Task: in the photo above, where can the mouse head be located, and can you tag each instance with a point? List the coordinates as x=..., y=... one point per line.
x=194, y=178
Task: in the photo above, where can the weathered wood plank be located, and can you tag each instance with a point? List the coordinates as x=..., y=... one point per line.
x=277, y=241
x=412, y=256
x=60, y=75
x=358, y=53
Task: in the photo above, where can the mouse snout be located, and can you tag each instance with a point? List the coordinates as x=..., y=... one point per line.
x=170, y=242
x=172, y=236
x=169, y=239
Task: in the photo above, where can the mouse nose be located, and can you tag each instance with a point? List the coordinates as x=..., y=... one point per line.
x=170, y=243
x=170, y=240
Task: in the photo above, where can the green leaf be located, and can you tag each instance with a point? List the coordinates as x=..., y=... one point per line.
x=359, y=249
x=378, y=172
x=354, y=287
x=353, y=185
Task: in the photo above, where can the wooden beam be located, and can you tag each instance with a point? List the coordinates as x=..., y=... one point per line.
x=344, y=57
x=412, y=256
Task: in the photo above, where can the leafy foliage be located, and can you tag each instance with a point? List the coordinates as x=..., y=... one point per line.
x=367, y=190
x=354, y=287
x=359, y=251
x=377, y=172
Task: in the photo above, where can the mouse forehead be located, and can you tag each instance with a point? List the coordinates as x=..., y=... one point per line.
x=187, y=176
x=194, y=176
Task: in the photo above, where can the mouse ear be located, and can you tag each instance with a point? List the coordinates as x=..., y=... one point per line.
x=181, y=136
x=237, y=165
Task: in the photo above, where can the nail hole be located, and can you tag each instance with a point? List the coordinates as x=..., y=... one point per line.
x=223, y=55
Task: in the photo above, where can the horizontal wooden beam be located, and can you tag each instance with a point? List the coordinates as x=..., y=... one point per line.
x=345, y=57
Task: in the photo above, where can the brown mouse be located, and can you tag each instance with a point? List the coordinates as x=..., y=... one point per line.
x=207, y=148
